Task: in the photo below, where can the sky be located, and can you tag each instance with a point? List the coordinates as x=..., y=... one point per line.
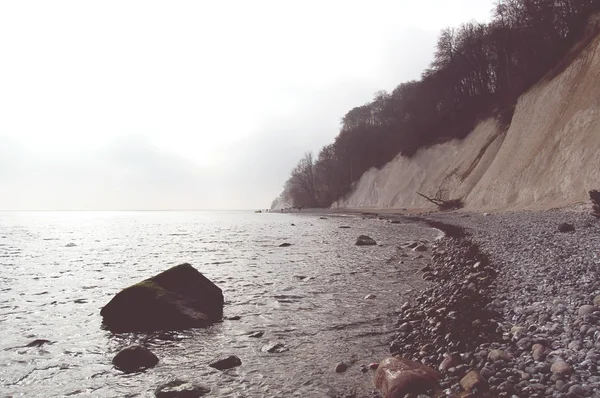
x=167, y=105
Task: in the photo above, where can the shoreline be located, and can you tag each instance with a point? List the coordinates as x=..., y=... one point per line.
x=512, y=301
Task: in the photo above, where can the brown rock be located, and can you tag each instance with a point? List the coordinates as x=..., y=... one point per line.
x=536, y=347
x=472, y=381
x=397, y=376
x=560, y=368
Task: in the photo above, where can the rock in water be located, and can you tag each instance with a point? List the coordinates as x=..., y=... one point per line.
x=396, y=376
x=180, y=389
x=134, y=359
x=226, y=363
x=178, y=298
x=38, y=343
x=365, y=240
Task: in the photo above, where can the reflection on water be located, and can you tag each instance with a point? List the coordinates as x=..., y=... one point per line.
x=58, y=269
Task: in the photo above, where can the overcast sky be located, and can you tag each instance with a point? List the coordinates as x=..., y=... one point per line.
x=192, y=104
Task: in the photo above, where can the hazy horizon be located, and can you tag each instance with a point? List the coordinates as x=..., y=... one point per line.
x=191, y=105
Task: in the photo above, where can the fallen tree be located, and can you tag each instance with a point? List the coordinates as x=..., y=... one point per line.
x=444, y=205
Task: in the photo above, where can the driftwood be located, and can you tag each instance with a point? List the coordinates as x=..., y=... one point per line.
x=452, y=204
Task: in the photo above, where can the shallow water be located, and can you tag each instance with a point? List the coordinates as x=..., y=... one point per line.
x=57, y=270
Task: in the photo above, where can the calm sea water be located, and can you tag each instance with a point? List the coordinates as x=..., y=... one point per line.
x=57, y=270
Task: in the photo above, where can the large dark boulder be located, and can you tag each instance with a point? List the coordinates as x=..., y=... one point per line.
x=178, y=298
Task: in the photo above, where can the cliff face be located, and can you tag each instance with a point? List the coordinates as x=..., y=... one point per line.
x=549, y=157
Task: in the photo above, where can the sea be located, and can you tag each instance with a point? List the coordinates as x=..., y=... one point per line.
x=323, y=298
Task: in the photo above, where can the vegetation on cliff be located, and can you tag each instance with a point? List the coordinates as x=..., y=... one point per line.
x=478, y=70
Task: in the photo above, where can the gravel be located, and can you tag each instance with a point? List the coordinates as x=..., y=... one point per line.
x=515, y=300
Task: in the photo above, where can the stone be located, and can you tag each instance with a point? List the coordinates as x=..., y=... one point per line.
x=370, y=297
x=364, y=240
x=134, y=358
x=341, y=367
x=70, y=244
x=233, y=318
x=38, y=343
x=285, y=244
x=586, y=310
x=472, y=381
x=538, y=355
x=566, y=227
x=560, y=367
x=180, y=389
x=256, y=334
x=450, y=361
x=274, y=348
x=496, y=355
x=178, y=298
x=576, y=390
x=229, y=362
x=596, y=301
x=344, y=227
x=396, y=376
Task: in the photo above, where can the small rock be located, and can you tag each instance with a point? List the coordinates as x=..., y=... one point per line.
x=256, y=334
x=344, y=227
x=596, y=301
x=285, y=244
x=473, y=380
x=226, y=362
x=566, y=227
x=233, y=318
x=560, y=367
x=180, y=389
x=274, y=348
x=370, y=297
x=134, y=358
x=373, y=365
x=38, y=343
x=364, y=240
x=449, y=362
x=496, y=355
x=341, y=367
x=70, y=244
x=586, y=310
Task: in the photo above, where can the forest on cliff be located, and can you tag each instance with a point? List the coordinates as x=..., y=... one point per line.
x=479, y=70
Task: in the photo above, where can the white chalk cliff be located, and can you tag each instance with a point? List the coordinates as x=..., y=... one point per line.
x=548, y=157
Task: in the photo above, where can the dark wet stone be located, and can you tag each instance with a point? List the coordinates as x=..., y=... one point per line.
x=38, y=343
x=134, y=358
x=181, y=389
x=341, y=367
x=364, y=240
x=178, y=298
x=566, y=227
x=229, y=362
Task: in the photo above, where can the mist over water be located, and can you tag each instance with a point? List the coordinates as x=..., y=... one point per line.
x=59, y=269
